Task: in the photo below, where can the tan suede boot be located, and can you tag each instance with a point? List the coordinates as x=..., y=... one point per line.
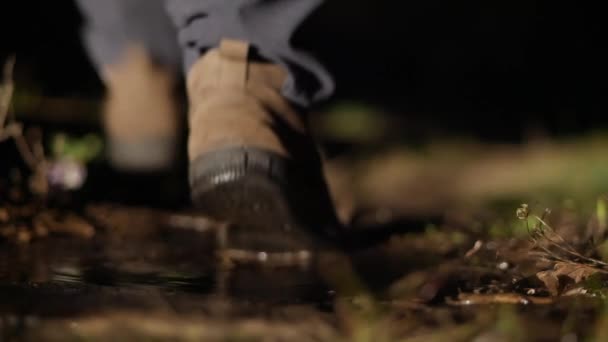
x=140, y=114
x=252, y=159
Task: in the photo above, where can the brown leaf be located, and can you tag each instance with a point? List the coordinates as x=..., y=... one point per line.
x=576, y=272
x=550, y=280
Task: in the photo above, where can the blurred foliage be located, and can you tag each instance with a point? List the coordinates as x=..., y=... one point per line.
x=80, y=149
x=353, y=122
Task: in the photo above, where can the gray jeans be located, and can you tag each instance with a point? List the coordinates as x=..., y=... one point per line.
x=177, y=32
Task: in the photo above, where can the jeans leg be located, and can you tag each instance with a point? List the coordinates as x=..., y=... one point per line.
x=267, y=25
x=113, y=25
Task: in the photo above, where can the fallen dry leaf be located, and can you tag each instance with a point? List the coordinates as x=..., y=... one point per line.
x=4, y=216
x=69, y=224
x=573, y=271
x=550, y=280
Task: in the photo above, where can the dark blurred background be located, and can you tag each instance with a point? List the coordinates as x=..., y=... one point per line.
x=498, y=70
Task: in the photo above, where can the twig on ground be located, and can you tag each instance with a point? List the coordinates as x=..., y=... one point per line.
x=465, y=299
x=32, y=152
x=7, y=88
x=545, y=233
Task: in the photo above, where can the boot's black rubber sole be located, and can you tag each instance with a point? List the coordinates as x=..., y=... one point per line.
x=275, y=203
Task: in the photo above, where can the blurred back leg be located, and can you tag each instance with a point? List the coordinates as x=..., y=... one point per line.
x=133, y=45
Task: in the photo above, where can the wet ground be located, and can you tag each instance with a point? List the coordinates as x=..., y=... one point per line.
x=439, y=248
x=120, y=272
